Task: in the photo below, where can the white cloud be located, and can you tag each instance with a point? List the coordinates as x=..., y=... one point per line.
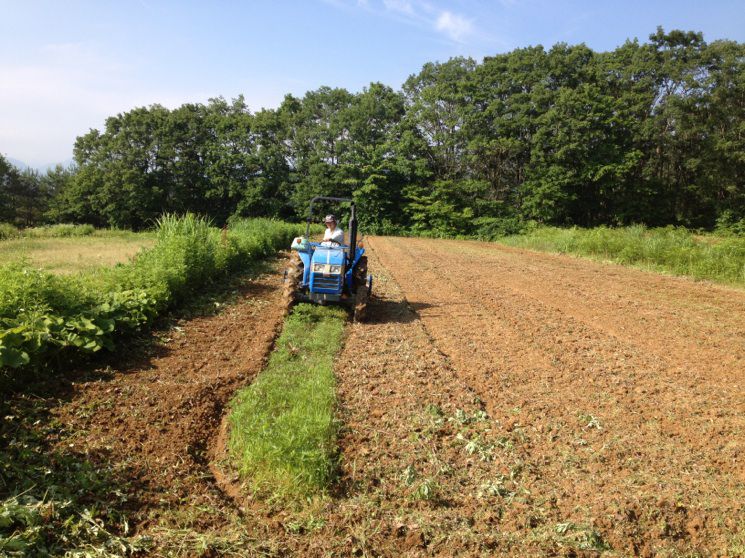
x=454, y=26
x=423, y=14
x=400, y=6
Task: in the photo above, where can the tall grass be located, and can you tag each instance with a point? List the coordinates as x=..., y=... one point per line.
x=8, y=231
x=282, y=426
x=42, y=315
x=670, y=249
x=59, y=231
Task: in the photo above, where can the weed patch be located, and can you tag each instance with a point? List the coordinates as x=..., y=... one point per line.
x=8, y=231
x=59, y=231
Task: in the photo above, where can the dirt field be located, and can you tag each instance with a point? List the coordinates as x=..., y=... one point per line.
x=621, y=390
x=498, y=402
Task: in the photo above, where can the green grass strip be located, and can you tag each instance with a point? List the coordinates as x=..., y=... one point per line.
x=282, y=427
x=672, y=250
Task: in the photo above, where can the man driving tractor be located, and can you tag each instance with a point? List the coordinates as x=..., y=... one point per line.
x=333, y=234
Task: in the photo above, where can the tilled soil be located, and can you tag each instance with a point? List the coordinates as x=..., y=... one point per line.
x=158, y=414
x=497, y=402
x=627, y=387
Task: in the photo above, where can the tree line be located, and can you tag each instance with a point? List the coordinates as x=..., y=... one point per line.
x=650, y=133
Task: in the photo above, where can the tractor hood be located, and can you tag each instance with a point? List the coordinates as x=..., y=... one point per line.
x=326, y=255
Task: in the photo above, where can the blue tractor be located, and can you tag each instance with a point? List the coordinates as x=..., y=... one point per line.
x=323, y=272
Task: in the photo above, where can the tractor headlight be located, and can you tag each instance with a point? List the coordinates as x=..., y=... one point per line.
x=318, y=268
x=335, y=269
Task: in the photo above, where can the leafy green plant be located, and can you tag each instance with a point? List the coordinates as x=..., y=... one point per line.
x=426, y=490
x=728, y=223
x=474, y=446
x=589, y=421
x=581, y=536
x=501, y=486
x=409, y=475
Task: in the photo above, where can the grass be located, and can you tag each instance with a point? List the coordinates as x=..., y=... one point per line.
x=59, y=231
x=8, y=231
x=66, y=255
x=671, y=250
x=282, y=426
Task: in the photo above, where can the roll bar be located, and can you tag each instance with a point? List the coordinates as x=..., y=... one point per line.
x=352, y=218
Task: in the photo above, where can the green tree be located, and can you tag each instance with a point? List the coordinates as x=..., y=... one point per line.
x=649, y=132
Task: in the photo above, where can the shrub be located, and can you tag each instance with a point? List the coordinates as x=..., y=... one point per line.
x=491, y=228
x=729, y=224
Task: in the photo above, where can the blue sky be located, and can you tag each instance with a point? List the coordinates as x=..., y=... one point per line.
x=66, y=66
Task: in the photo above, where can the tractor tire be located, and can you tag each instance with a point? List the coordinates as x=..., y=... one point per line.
x=360, y=272
x=360, y=304
x=362, y=292
x=293, y=277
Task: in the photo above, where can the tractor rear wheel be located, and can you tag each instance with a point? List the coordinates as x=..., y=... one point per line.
x=293, y=277
x=360, y=304
x=362, y=291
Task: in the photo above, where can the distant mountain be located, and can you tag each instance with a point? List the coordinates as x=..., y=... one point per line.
x=66, y=163
x=20, y=165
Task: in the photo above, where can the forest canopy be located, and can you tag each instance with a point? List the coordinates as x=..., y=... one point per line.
x=649, y=133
